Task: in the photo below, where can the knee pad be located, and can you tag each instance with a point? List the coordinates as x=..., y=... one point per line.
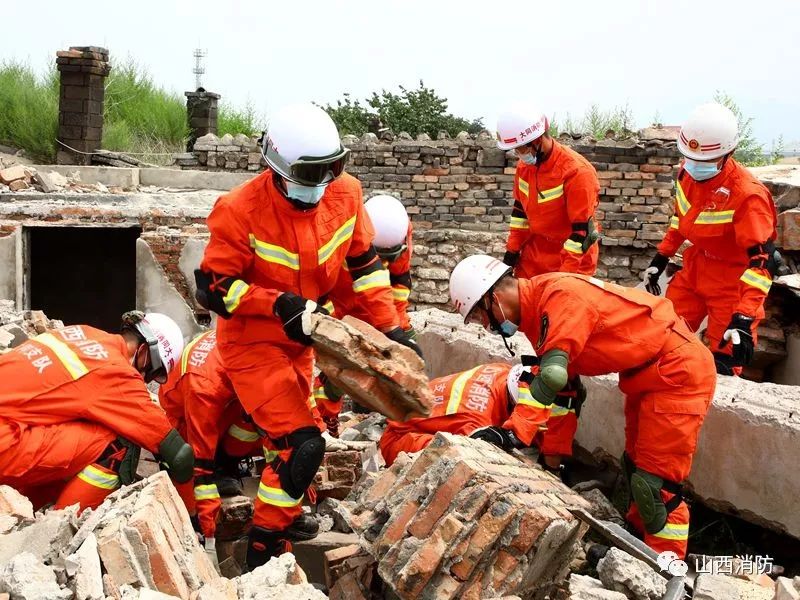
x=178, y=456
x=646, y=491
x=307, y=449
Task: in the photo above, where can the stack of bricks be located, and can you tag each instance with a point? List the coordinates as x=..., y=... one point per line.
x=201, y=112
x=465, y=520
x=338, y=474
x=82, y=93
x=227, y=153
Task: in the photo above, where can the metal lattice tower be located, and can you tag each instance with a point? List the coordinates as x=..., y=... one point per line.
x=199, y=69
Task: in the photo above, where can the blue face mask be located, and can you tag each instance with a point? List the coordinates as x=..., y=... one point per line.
x=529, y=159
x=305, y=194
x=700, y=171
x=505, y=329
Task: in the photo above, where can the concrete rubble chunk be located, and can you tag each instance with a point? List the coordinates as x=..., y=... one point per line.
x=219, y=589
x=785, y=589
x=45, y=538
x=380, y=374
x=280, y=579
x=722, y=587
x=83, y=567
x=601, y=507
x=583, y=587
x=13, y=173
x=154, y=595
x=622, y=572
x=14, y=504
x=465, y=519
x=50, y=182
x=26, y=577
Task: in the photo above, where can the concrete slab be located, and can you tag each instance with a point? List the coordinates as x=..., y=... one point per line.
x=108, y=176
x=310, y=554
x=155, y=293
x=8, y=274
x=191, y=256
x=198, y=180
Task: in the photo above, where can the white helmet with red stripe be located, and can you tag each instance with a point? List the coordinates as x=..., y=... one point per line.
x=472, y=278
x=711, y=131
x=520, y=124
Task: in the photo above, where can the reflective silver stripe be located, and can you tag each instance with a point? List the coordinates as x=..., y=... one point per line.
x=243, y=435
x=683, y=202
x=235, y=294
x=206, y=492
x=275, y=254
x=276, y=496
x=573, y=246
x=560, y=411
x=401, y=294
x=551, y=194
x=519, y=223
x=97, y=478
x=373, y=280
x=527, y=399
x=344, y=233
x=674, y=222
x=523, y=186
x=712, y=217
x=457, y=391
x=674, y=531
x=756, y=280
x=64, y=354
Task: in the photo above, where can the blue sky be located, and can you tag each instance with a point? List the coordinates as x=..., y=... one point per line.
x=657, y=57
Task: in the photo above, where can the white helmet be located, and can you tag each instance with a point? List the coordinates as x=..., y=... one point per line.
x=390, y=219
x=302, y=145
x=520, y=124
x=472, y=278
x=711, y=131
x=512, y=383
x=165, y=341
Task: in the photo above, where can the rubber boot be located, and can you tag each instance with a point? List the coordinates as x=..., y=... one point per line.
x=263, y=544
x=228, y=474
x=304, y=527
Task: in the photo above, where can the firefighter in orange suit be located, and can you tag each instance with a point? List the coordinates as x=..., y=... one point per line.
x=729, y=217
x=201, y=403
x=75, y=410
x=483, y=402
x=392, y=242
x=556, y=193
x=276, y=249
x=580, y=325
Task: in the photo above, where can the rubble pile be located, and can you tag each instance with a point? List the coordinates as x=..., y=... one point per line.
x=20, y=178
x=138, y=544
x=378, y=373
x=16, y=326
x=463, y=519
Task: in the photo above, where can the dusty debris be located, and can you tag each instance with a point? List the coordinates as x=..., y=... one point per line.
x=722, y=587
x=26, y=577
x=463, y=519
x=83, y=567
x=18, y=326
x=378, y=373
x=583, y=587
x=621, y=572
x=14, y=508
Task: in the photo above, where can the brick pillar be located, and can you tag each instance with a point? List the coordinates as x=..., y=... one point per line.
x=80, y=120
x=201, y=110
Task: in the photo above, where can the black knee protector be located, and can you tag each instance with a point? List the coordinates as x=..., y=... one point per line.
x=121, y=456
x=178, y=456
x=297, y=473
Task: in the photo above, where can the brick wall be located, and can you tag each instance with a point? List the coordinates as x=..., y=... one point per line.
x=459, y=194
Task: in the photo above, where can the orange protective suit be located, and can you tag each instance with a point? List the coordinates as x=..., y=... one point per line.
x=261, y=246
x=66, y=396
x=553, y=202
x=666, y=373
x=723, y=218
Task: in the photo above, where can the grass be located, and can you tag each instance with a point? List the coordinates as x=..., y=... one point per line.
x=141, y=118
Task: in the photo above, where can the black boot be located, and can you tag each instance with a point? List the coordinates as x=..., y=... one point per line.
x=304, y=527
x=263, y=544
x=228, y=474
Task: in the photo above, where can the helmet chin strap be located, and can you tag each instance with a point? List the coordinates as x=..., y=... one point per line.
x=495, y=325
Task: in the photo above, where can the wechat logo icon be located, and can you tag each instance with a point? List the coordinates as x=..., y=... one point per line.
x=668, y=561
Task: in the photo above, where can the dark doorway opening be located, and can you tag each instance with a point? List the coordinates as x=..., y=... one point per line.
x=82, y=274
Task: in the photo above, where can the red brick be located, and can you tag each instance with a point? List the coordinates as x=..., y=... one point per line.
x=788, y=229
x=395, y=530
x=503, y=567
x=490, y=527
x=647, y=168
x=166, y=572
x=425, y=562
x=472, y=500
x=442, y=587
x=343, y=458
x=436, y=172
x=531, y=526
x=480, y=179
x=440, y=500
x=347, y=588
x=14, y=173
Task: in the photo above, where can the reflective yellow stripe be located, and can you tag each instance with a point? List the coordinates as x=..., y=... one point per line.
x=527, y=399
x=64, y=354
x=275, y=254
x=756, y=280
x=276, y=496
x=519, y=223
x=683, y=203
x=97, y=478
x=401, y=294
x=573, y=246
x=523, y=186
x=319, y=393
x=373, y=280
x=243, y=435
x=344, y=233
x=312, y=402
x=560, y=411
x=187, y=352
x=674, y=222
x=206, y=492
x=711, y=217
x=551, y=194
x=674, y=531
x=234, y=295
x=270, y=455
x=329, y=307
x=458, y=390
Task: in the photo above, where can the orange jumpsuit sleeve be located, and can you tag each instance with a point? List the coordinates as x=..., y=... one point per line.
x=519, y=230
x=753, y=224
x=571, y=322
x=122, y=403
x=228, y=255
x=371, y=281
x=525, y=419
x=582, y=191
x=400, y=278
x=673, y=238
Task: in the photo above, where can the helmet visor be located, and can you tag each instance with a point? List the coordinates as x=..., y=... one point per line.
x=156, y=371
x=308, y=170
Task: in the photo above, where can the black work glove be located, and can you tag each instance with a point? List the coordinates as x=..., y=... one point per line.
x=511, y=258
x=407, y=338
x=740, y=332
x=653, y=273
x=502, y=438
x=295, y=313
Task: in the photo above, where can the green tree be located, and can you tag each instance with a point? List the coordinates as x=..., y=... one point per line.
x=418, y=110
x=749, y=151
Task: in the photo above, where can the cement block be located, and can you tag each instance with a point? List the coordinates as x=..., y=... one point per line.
x=108, y=176
x=200, y=180
x=8, y=274
x=310, y=554
x=191, y=256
